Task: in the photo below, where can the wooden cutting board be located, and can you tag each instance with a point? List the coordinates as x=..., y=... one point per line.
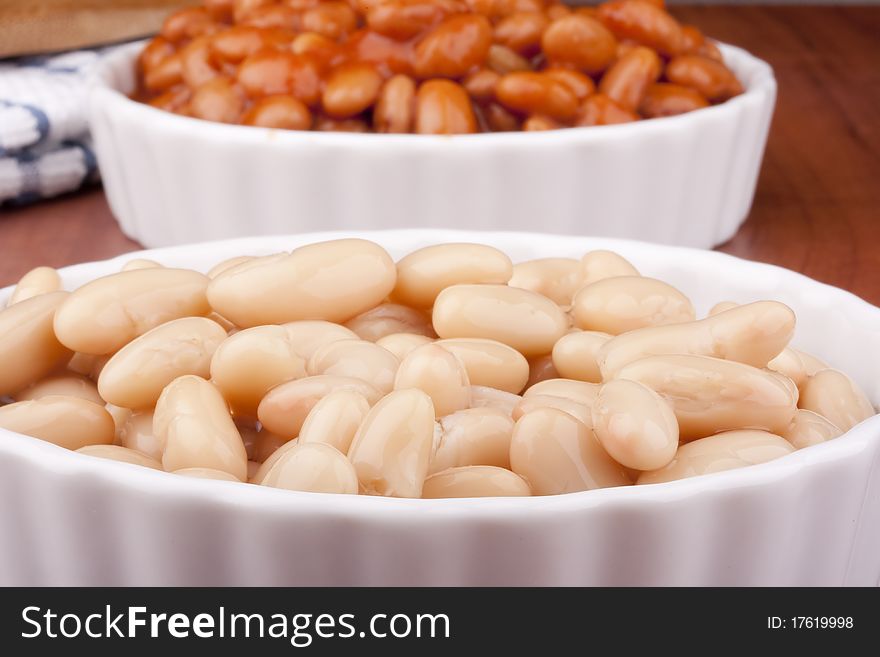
x=36, y=26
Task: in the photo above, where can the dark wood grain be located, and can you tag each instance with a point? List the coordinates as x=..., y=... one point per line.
x=63, y=231
x=817, y=207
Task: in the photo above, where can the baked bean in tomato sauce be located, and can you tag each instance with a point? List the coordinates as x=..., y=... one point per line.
x=430, y=66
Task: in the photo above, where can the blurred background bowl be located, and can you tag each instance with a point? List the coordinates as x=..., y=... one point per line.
x=686, y=180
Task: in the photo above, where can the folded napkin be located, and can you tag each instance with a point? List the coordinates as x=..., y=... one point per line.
x=45, y=148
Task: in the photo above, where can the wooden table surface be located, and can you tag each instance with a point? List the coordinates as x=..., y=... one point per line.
x=817, y=207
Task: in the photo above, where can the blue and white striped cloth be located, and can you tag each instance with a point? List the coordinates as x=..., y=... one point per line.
x=45, y=148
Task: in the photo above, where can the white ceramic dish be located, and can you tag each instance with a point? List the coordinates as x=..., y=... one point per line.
x=686, y=180
x=812, y=517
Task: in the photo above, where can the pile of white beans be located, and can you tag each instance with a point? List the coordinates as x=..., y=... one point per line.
x=452, y=373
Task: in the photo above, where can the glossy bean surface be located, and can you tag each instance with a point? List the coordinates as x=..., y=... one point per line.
x=725, y=451
x=106, y=314
x=68, y=422
x=475, y=481
x=332, y=281
x=193, y=423
x=710, y=395
x=392, y=449
x=524, y=320
x=29, y=348
x=557, y=454
x=434, y=67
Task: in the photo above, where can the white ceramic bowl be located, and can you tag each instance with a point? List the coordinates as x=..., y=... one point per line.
x=686, y=180
x=812, y=517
